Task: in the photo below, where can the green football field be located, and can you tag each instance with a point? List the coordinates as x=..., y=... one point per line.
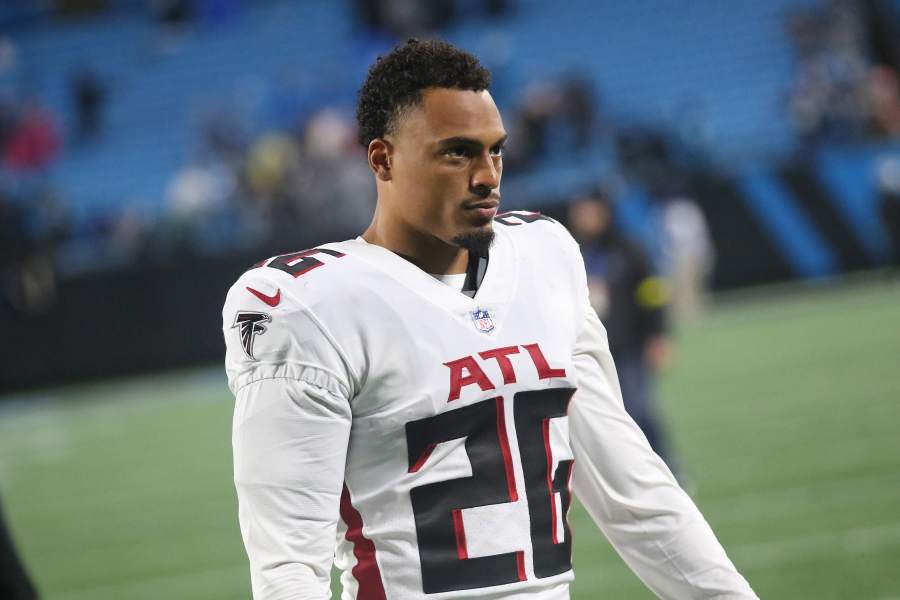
x=785, y=412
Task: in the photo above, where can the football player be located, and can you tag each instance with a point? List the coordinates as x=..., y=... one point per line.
x=418, y=404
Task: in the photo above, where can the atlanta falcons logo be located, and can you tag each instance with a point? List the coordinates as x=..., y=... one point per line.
x=251, y=323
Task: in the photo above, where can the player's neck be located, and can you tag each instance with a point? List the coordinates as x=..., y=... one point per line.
x=426, y=252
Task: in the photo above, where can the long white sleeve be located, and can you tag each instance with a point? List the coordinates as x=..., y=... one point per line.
x=290, y=443
x=631, y=494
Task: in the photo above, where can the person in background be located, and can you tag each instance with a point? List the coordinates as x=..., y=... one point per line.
x=688, y=255
x=34, y=143
x=14, y=581
x=888, y=176
x=87, y=94
x=631, y=301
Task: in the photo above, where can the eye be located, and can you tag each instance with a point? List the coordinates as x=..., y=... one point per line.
x=457, y=152
x=497, y=150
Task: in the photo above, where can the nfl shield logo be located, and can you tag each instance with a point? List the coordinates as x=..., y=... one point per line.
x=483, y=321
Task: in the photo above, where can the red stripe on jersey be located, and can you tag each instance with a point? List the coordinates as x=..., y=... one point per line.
x=520, y=564
x=462, y=552
x=504, y=449
x=366, y=570
x=423, y=459
x=549, y=451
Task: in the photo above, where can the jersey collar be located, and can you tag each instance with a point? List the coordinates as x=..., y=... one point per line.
x=498, y=275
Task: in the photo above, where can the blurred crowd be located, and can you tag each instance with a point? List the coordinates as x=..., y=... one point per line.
x=846, y=86
x=284, y=169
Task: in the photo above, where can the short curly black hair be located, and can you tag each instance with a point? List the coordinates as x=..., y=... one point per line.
x=396, y=82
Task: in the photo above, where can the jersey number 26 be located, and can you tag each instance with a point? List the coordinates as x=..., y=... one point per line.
x=443, y=553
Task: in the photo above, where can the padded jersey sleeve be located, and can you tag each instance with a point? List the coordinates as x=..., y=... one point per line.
x=628, y=490
x=290, y=434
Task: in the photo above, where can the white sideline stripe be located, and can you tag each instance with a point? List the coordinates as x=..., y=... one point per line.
x=160, y=583
x=849, y=542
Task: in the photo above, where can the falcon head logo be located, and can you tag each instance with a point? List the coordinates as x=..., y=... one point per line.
x=251, y=324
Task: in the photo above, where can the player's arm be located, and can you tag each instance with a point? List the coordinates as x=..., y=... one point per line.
x=290, y=434
x=631, y=494
x=290, y=443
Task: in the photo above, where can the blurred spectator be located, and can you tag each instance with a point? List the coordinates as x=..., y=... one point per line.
x=34, y=140
x=826, y=98
x=630, y=301
x=579, y=108
x=27, y=241
x=541, y=100
x=889, y=191
x=884, y=95
x=271, y=173
x=88, y=97
x=554, y=114
x=645, y=155
x=405, y=18
x=336, y=184
x=836, y=94
x=272, y=161
x=197, y=193
x=172, y=13
x=416, y=18
x=223, y=133
x=174, y=18
x=130, y=236
x=689, y=254
x=194, y=191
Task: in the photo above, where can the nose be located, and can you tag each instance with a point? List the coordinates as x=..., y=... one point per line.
x=486, y=176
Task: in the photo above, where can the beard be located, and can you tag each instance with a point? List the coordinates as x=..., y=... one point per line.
x=477, y=242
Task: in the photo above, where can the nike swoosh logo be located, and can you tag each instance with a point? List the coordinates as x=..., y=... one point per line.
x=270, y=300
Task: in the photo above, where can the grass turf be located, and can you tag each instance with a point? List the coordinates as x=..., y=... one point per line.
x=784, y=412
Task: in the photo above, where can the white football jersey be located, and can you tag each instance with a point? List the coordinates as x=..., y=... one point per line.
x=435, y=435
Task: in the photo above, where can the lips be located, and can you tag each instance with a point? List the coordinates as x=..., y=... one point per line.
x=485, y=209
x=482, y=204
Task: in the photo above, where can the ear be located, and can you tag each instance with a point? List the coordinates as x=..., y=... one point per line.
x=380, y=154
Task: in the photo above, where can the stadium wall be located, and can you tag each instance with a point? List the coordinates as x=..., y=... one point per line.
x=121, y=322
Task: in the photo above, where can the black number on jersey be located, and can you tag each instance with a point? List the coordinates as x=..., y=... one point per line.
x=533, y=411
x=519, y=217
x=298, y=263
x=437, y=507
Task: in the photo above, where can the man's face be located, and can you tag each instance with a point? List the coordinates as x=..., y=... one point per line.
x=446, y=165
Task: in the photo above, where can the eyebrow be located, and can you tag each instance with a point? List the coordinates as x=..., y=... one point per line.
x=471, y=142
